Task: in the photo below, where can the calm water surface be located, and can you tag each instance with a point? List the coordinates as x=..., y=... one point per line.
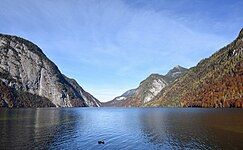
x=121, y=128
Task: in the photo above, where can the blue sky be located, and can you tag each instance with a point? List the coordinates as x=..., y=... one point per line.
x=109, y=46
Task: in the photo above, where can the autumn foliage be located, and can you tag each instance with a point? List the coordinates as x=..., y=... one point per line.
x=215, y=82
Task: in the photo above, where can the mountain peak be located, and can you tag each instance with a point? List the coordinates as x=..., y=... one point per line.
x=176, y=71
x=241, y=34
x=154, y=75
x=19, y=42
x=178, y=67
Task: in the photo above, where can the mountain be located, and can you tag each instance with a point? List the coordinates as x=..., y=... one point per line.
x=125, y=95
x=216, y=81
x=120, y=100
x=175, y=73
x=147, y=89
x=29, y=79
x=89, y=99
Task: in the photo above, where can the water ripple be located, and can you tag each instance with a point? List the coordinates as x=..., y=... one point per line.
x=143, y=128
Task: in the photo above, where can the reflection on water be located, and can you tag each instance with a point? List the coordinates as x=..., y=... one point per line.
x=121, y=128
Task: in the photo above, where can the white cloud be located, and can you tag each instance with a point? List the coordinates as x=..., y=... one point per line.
x=114, y=44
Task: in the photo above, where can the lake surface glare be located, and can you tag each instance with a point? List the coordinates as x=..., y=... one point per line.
x=121, y=128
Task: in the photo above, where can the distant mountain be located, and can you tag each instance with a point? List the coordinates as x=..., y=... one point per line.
x=147, y=89
x=175, y=73
x=89, y=99
x=29, y=79
x=216, y=81
x=120, y=100
x=125, y=95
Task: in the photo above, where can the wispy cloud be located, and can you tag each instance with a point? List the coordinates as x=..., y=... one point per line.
x=114, y=44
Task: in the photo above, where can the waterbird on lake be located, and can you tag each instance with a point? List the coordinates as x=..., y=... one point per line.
x=101, y=142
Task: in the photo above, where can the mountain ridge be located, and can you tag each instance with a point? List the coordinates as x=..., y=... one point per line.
x=26, y=70
x=147, y=89
x=216, y=81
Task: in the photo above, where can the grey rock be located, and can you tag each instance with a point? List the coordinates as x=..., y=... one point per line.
x=147, y=89
x=24, y=67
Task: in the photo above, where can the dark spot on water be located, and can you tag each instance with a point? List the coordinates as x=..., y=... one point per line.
x=101, y=142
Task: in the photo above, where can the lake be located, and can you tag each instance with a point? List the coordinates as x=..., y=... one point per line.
x=121, y=128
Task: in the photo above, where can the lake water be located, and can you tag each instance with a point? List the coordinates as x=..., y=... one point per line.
x=121, y=128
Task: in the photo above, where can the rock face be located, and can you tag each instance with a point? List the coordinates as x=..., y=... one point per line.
x=29, y=79
x=119, y=101
x=89, y=99
x=9, y=97
x=215, y=82
x=147, y=89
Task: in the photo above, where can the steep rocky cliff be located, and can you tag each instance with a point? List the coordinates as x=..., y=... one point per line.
x=215, y=82
x=147, y=89
x=29, y=79
x=89, y=99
